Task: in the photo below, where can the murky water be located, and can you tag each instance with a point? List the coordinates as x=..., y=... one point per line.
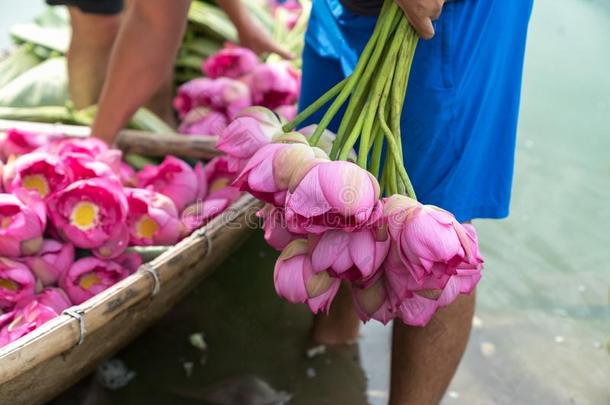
x=542, y=328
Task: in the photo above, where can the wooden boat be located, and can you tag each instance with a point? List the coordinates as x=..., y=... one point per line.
x=40, y=365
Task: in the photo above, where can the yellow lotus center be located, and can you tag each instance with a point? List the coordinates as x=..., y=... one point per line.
x=219, y=184
x=146, y=227
x=89, y=280
x=5, y=222
x=84, y=215
x=36, y=182
x=8, y=284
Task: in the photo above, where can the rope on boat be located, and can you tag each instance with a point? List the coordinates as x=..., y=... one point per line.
x=202, y=233
x=152, y=271
x=77, y=314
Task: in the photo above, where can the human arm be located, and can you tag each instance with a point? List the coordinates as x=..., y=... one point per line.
x=143, y=55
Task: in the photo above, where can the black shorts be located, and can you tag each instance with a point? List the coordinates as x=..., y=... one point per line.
x=91, y=6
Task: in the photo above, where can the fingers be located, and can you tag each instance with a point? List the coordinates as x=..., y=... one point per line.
x=275, y=48
x=421, y=13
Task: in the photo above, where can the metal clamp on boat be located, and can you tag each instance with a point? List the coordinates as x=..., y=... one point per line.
x=77, y=314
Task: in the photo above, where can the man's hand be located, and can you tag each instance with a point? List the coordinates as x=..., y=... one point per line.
x=252, y=35
x=421, y=13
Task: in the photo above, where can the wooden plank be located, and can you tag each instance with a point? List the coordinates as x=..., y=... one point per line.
x=133, y=141
x=43, y=363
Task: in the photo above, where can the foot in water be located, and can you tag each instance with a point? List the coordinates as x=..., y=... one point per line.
x=341, y=325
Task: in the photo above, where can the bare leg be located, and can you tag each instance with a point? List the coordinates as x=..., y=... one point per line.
x=92, y=39
x=341, y=325
x=424, y=360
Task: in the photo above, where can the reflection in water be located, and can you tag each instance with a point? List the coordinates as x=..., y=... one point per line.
x=543, y=318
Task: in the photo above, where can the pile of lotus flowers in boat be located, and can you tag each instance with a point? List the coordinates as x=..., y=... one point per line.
x=235, y=78
x=71, y=207
x=329, y=215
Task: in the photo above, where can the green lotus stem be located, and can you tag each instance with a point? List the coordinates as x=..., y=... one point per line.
x=382, y=29
x=362, y=88
x=379, y=96
x=311, y=109
x=352, y=119
x=377, y=149
x=353, y=137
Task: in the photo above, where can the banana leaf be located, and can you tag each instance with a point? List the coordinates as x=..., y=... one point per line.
x=54, y=38
x=17, y=62
x=211, y=21
x=44, y=85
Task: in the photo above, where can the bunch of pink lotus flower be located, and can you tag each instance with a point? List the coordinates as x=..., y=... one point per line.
x=235, y=78
x=403, y=260
x=69, y=209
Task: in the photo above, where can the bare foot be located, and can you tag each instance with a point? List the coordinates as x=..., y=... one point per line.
x=341, y=325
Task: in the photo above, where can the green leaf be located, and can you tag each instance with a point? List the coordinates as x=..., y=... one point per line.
x=43, y=85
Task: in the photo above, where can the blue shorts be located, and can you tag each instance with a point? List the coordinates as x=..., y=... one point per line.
x=460, y=117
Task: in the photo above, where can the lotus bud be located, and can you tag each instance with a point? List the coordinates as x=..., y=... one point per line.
x=22, y=321
x=274, y=226
x=54, y=298
x=373, y=302
x=16, y=142
x=333, y=195
x=252, y=128
x=152, y=219
x=91, y=213
x=275, y=84
x=203, y=121
x=16, y=283
x=21, y=225
x=51, y=262
x=430, y=242
x=37, y=172
x=232, y=62
x=175, y=179
x=90, y=276
x=295, y=281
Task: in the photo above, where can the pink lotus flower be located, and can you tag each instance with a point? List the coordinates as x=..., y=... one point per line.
x=287, y=112
x=175, y=179
x=16, y=282
x=251, y=129
x=295, y=280
x=38, y=172
x=152, y=219
x=54, y=298
x=51, y=262
x=127, y=175
x=21, y=225
x=92, y=214
x=269, y=173
x=373, y=301
x=224, y=95
x=203, y=121
x=22, y=321
x=90, y=146
x=221, y=194
x=430, y=242
x=277, y=234
x=90, y=276
x=287, y=12
x=326, y=140
x=16, y=142
x=355, y=256
x=82, y=167
x=333, y=195
x=232, y=62
x=275, y=84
